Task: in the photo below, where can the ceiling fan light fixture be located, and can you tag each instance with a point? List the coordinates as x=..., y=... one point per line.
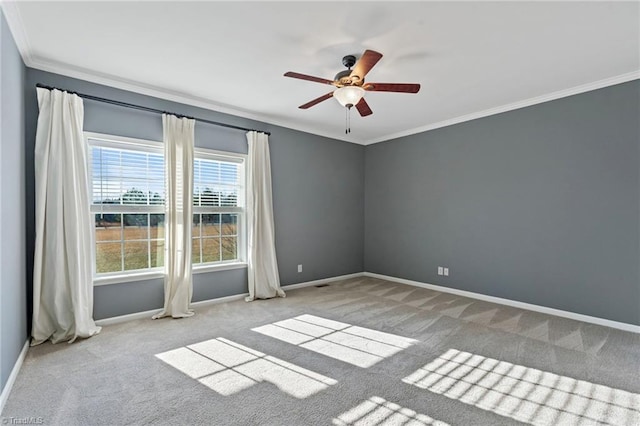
x=349, y=96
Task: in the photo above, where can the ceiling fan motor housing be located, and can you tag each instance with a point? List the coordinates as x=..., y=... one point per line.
x=349, y=61
x=344, y=77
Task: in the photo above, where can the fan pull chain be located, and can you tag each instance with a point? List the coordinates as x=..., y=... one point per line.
x=347, y=121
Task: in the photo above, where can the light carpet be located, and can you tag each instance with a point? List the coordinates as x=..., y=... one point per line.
x=362, y=351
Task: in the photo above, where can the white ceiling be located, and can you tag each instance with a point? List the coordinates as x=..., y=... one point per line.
x=472, y=59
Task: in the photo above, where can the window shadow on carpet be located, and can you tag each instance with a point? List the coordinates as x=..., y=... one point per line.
x=377, y=411
x=525, y=394
x=227, y=368
x=358, y=346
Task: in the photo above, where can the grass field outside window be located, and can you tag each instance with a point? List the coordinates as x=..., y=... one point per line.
x=127, y=195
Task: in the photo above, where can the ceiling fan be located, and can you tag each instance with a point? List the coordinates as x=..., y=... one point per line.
x=351, y=86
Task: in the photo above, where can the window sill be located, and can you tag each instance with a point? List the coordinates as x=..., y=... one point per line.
x=157, y=274
x=125, y=278
x=219, y=267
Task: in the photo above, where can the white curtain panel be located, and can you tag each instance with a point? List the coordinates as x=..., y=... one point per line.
x=63, y=269
x=264, y=281
x=178, y=158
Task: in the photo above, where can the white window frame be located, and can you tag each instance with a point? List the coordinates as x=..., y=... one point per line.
x=240, y=210
x=120, y=142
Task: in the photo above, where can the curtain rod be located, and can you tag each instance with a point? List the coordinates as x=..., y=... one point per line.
x=148, y=109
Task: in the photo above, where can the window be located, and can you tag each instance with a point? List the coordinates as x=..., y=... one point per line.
x=218, y=207
x=127, y=204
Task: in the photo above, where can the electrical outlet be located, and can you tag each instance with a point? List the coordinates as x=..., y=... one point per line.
x=440, y=271
x=299, y=268
x=446, y=272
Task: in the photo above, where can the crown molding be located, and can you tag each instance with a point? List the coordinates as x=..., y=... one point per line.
x=12, y=15
x=124, y=84
x=16, y=26
x=623, y=78
x=169, y=95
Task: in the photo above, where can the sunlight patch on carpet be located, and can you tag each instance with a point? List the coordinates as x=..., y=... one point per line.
x=358, y=346
x=525, y=394
x=377, y=411
x=227, y=368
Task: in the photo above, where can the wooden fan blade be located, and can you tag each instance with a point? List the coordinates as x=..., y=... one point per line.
x=363, y=66
x=316, y=101
x=308, y=78
x=392, y=87
x=363, y=108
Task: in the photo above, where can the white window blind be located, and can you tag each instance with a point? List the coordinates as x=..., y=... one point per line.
x=126, y=177
x=218, y=209
x=127, y=204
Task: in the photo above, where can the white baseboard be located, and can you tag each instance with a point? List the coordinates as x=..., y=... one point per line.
x=531, y=307
x=12, y=377
x=323, y=281
x=149, y=314
x=203, y=303
x=209, y=302
x=127, y=317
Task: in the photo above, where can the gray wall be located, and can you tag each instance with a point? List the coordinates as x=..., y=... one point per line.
x=318, y=193
x=539, y=205
x=13, y=303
